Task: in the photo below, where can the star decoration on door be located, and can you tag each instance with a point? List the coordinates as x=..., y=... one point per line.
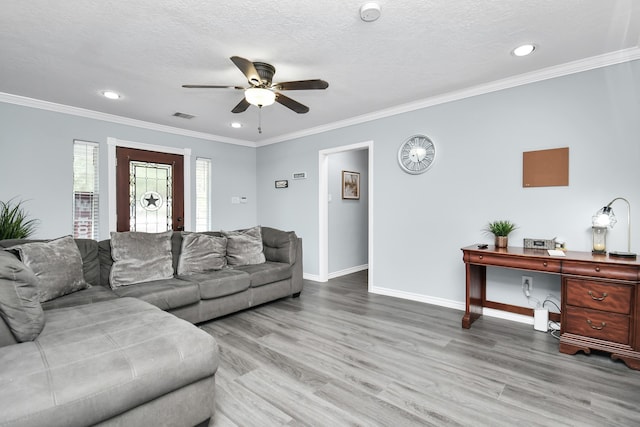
x=151, y=200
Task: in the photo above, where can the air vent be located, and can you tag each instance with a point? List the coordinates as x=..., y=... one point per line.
x=183, y=115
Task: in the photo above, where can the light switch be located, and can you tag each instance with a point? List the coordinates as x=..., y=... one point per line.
x=243, y=199
x=235, y=200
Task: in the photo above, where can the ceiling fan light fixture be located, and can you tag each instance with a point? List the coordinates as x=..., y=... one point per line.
x=259, y=97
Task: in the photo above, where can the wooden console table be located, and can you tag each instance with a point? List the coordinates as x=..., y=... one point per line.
x=600, y=303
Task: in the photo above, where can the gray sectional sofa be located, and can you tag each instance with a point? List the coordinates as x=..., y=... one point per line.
x=126, y=355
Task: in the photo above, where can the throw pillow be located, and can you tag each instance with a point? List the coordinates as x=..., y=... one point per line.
x=57, y=264
x=201, y=252
x=19, y=300
x=140, y=257
x=244, y=247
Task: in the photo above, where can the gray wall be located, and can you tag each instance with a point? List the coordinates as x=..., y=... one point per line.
x=421, y=222
x=348, y=219
x=36, y=164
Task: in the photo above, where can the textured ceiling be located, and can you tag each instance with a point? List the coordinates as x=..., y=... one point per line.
x=66, y=52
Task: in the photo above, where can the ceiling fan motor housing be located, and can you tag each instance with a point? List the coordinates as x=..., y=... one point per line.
x=266, y=72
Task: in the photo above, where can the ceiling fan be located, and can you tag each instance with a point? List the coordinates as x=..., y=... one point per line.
x=262, y=91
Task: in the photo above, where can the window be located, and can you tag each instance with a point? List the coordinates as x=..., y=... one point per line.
x=85, y=190
x=203, y=194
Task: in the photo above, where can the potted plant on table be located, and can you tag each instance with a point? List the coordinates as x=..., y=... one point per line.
x=13, y=221
x=501, y=229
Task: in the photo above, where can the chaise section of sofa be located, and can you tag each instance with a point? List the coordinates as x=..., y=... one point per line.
x=121, y=359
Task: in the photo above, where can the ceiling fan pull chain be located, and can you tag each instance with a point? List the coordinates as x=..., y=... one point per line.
x=259, y=118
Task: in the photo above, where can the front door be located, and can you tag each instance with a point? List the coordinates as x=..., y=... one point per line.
x=149, y=191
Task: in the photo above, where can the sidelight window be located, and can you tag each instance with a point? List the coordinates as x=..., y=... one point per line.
x=85, y=190
x=203, y=194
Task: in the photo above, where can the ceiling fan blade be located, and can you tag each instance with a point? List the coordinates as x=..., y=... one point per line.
x=291, y=104
x=302, y=85
x=241, y=107
x=211, y=87
x=248, y=69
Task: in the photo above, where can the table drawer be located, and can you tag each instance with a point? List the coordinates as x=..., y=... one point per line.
x=536, y=264
x=610, y=297
x=597, y=324
x=594, y=269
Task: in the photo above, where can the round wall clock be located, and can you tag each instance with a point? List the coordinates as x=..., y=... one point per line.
x=416, y=154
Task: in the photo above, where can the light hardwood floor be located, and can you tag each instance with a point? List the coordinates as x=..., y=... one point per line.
x=340, y=356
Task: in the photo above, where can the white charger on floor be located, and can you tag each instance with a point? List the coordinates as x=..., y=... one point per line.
x=540, y=319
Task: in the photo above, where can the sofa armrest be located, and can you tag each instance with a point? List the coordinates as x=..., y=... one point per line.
x=279, y=246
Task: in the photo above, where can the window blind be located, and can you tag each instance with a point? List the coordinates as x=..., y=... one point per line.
x=203, y=194
x=85, y=190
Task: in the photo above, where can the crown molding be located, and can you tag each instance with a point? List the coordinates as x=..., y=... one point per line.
x=90, y=114
x=612, y=58
x=568, y=68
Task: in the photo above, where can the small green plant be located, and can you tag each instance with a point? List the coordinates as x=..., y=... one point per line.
x=13, y=221
x=500, y=228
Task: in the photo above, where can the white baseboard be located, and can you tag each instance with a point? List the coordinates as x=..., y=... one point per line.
x=312, y=277
x=456, y=305
x=316, y=278
x=349, y=270
x=514, y=317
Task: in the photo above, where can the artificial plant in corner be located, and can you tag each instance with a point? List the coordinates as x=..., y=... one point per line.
x=501, y=229
x=14, y=222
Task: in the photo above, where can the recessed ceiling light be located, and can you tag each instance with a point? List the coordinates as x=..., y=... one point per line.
x=524, y=50
x=111, y=94
x=236, y=125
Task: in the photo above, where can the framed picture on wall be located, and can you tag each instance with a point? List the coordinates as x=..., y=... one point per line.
x=351, y=185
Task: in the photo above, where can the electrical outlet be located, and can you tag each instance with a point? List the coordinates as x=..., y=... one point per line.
x=527, y=285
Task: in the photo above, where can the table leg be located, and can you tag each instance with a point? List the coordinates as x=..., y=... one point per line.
x=476, y=288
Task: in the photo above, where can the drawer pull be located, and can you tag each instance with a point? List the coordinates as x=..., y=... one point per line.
x=598, y=269
x=544, y=263
x=597, y=328
x=604, y=295
x=481, y=257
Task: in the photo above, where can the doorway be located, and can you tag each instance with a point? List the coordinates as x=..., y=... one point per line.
x=113, y=145
x=323, y=196
x=149, y=191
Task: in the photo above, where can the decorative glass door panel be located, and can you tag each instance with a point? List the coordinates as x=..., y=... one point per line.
x=150, y=190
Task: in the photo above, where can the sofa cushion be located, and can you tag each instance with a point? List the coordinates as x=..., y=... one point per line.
x=140, y=257
x=96, y=361
x=88, y=251
x=216, y=284
x=244, y=247
x=85, y=296
x=57, y=264
x=166, y=294
x=269, y=272
x=279, y=246
x=19, y=300
x=201, y=252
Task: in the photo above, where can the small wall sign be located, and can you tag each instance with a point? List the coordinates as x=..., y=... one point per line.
x=299, y=175
x=282, y=183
